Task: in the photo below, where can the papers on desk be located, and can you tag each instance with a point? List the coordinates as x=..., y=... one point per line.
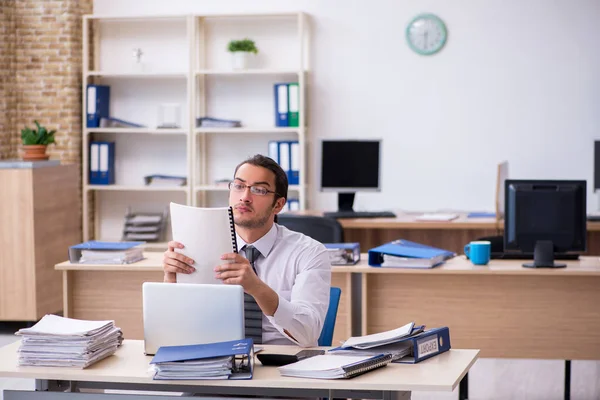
x=330, y=366
x=65, y=342
x=437, y=217
x=379, y=339
x=409, y=262
x=97, y=252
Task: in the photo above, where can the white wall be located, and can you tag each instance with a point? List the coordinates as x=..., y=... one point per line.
x=517, y=81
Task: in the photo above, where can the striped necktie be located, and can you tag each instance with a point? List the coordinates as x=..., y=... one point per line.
x=252, y=312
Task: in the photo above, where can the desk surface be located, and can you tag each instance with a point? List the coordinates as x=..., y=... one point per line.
x=408, y=220
x=586, y=266
x=130, y=365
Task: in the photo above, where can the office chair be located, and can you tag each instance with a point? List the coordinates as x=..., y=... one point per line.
x=324, y=230
x=326, y=337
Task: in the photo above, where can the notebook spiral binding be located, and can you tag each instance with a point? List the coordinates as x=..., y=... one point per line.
x=232, y=226
x=361, y=368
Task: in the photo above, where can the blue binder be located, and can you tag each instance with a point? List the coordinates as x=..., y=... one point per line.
x=281, y=104
x=405, y=248
x=242, y=351
x=97, y=100
x=427, y=344
x=102, y=163
x=294, y=170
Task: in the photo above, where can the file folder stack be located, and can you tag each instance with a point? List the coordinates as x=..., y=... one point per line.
x=408, y=344
x=222, y=360
x=65, y=342
x=97, y=252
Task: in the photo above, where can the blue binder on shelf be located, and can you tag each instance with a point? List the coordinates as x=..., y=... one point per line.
x=407, y=249
x=241, y=351
x=294, y=170
x=98, y=104
x=102, y=163
x=281, y=104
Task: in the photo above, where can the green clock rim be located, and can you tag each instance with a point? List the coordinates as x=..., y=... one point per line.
x=439, y=21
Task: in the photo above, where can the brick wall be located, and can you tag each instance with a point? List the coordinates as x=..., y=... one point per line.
x=40, y=73
x=8, y=105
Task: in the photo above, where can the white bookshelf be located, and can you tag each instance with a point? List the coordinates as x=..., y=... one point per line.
x=246, y=95
x=185, y=61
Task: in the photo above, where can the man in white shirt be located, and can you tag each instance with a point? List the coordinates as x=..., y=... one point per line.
x=290, y=277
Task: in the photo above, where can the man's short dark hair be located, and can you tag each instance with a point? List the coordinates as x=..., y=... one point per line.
x=281, y=180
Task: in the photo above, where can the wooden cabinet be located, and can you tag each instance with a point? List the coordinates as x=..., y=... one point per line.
x=40, y=218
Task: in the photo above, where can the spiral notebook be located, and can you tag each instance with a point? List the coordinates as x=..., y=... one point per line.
x=206, y=233
x=334, y=366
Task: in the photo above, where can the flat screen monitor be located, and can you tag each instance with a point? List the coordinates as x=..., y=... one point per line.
x=545, y=217
x=349, y=166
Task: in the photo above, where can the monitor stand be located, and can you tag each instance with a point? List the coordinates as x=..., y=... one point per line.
x=543, y=256
x=346, y=202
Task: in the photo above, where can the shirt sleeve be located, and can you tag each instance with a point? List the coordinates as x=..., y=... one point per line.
x=304, y=315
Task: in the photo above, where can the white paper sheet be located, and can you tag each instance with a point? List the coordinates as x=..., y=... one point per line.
x=206, y=235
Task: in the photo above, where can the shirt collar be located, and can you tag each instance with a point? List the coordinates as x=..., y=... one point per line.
x=264, y=244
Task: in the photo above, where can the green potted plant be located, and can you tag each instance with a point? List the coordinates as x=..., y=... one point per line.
x=241, y=51
x=35, y=142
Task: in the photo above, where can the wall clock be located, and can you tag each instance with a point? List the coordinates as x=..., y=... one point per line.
x=426, y=34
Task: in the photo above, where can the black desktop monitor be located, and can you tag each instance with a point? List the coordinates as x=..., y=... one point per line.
x=597, y=165
x=348, y=166
x=545, y=217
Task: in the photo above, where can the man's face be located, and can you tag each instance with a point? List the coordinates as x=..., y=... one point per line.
x=253, y=210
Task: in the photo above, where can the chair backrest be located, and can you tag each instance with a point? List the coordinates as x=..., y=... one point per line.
x=324, y=230
x=326, y=337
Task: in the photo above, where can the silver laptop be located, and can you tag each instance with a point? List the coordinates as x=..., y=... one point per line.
x=190, y=313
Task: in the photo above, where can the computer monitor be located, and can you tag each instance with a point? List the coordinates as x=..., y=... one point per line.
x=596, y=165
x=349, y=166
x=545, y=217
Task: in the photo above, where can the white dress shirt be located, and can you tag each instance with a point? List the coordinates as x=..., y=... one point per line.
x=298, y=269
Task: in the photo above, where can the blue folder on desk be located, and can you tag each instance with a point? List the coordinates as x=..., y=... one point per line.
x=407, y=249
x=242, y=352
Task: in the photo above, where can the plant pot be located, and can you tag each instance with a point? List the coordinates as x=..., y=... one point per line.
x=240, y=59
x=34, y=152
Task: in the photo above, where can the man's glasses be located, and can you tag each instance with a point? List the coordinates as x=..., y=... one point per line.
x=257, y=190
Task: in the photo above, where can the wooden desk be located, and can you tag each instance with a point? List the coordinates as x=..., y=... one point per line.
x=114, y=292
x=128, y=368
x=503, y=309
x=451, y=235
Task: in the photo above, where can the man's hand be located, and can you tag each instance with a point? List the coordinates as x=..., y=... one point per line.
x=174, y=263
x=239, y=272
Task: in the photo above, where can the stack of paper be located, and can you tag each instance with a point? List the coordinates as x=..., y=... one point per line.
x=411, y=262
x=212, y=368
x=437, y=217
x=379, y=339
x=97, y=252
x=65, y=342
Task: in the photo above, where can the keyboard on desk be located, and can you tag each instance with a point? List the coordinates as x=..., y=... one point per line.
x=360, y=214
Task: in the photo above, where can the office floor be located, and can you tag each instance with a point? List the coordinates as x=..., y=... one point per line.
x=490, y=379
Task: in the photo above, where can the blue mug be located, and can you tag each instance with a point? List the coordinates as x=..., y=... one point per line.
x=478, y=252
